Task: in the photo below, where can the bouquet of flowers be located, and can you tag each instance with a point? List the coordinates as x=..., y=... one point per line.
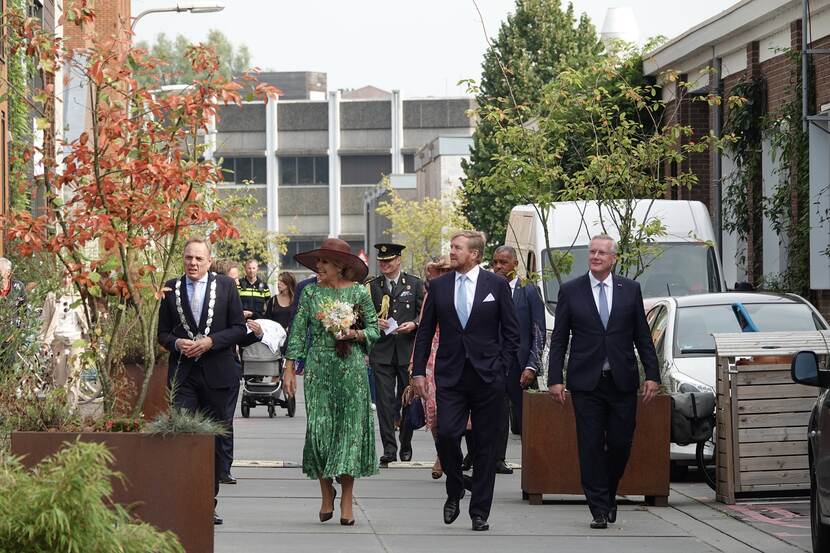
x=338, y=317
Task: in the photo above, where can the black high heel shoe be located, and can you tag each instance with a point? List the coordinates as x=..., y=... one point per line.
x=347, y=522
x=327, y=516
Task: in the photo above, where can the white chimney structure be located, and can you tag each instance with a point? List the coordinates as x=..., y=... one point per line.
x=619, y=25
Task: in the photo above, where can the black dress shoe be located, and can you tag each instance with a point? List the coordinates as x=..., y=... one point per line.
x=612, y=514
x=502, y=468
x=386, y=459
x=467, y=481
x=406, y=454
x=452, y=509
x=599, y=522
x=479, y=524
x=217, y=519
x=227, y=479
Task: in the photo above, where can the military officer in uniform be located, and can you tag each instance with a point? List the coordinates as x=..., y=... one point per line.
x=397, y=297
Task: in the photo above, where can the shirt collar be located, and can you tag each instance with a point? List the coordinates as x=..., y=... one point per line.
x=608, y=280
x=203, y=279
x=396, y=278
x=514, y=282
x=472, y=274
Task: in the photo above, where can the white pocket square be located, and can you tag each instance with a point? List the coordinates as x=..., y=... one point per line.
x=489, y=298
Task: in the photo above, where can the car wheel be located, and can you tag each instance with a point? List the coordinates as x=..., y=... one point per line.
x=246, y=410
x=819, y=530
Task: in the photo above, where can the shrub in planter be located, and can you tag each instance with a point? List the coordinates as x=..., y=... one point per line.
x=63, y=504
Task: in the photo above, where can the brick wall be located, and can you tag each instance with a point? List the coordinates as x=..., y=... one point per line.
x=695, y=113
x=111, y=16
x=821, y=63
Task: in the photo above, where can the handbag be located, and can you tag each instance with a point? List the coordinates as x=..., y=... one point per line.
x=415, y=416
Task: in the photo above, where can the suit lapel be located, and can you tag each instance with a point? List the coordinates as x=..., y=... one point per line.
x=205, y=300
x=616, y=299
x=517, y=293
x=479, y=294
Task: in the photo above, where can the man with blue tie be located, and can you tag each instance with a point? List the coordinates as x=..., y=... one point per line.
x=200, y=323
x=478, y=342
x=602, y=316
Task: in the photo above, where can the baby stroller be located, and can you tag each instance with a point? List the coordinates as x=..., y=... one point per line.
x=262, y=381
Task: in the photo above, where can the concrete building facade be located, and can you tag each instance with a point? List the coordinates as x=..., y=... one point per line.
x=311, y=162
x=755, y=40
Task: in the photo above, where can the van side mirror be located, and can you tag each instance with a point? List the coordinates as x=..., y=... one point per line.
x=804, y=369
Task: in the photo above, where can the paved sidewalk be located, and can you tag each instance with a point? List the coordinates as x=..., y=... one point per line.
x=275, y=509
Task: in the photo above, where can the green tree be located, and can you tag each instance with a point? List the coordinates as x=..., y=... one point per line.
x=233, y=60
x=533, y=46
x=600, y=133
x=424, y=227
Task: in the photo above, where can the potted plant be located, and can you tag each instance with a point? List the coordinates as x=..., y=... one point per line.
x=81, y=517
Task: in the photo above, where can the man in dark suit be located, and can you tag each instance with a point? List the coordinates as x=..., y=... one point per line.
x=391, y=354
x=602, y=316
x=530, y=312
x=203, y=371
x=479, y=338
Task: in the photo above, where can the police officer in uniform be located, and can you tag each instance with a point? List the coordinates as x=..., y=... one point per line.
x=397, y=296
x=253, y=292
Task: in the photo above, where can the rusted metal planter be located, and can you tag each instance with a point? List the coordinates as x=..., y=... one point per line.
x=550, y=460
x=156, y=401
x=168, y=481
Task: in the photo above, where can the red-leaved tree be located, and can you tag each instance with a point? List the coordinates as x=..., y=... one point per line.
x=123, y=196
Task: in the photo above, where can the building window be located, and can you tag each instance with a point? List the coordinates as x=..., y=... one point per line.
x=304, y=170
x=240, y=170
x=409, y=163
x=364, y=169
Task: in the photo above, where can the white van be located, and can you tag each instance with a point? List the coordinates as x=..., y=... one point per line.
x=687, y=261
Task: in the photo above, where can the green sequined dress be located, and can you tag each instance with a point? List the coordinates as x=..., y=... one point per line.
x=340, y=431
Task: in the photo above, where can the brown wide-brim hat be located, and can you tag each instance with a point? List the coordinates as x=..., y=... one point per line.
x=334, y=249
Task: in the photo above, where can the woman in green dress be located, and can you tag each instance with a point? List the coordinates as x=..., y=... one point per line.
x=340, y=432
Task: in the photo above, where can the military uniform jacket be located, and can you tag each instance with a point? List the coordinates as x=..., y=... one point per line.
x=404, y=306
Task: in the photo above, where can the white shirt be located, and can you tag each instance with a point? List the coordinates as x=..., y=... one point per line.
x=513, y=284
x=397, y=280
x=609, y=290
x=202, y=289
x=470, y=283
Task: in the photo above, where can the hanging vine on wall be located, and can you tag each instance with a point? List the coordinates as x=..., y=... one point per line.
x=19, y=71
x=745, y=122
x=788, y=206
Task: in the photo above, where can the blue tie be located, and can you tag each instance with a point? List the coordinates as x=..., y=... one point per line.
x=603, y=305
x=461, y=300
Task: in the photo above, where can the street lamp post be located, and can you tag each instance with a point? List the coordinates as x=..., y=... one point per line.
x=192, y=7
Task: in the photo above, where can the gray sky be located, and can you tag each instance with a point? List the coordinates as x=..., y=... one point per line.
x=421, y=47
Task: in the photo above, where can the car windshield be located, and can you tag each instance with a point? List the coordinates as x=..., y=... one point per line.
x=695, y=325
x=671, y=270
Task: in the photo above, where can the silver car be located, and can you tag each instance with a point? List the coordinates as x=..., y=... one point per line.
x=682, y=328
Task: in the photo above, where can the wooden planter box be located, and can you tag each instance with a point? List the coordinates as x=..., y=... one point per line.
x=550, y=460
x=168, y=480
x=762, y=430
x=762, y=416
